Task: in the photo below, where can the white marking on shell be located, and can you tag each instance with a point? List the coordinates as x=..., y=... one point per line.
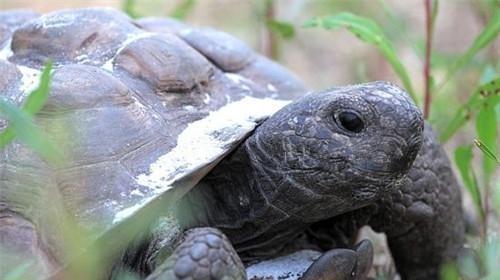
x=189, y=108
x=108, y=65
x=206, y=98
x=137, y=192
x=6, y=52
x=50, y=21
x=245, y=87
x=207, y=138
x=237, y=78
x=290, y=267
x=202, y=142
x=83, y=58
x=270, y=87
x=30, y=79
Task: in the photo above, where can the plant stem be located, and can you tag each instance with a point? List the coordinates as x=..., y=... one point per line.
x=427, y=63
x=268, y=38
x=486, y=211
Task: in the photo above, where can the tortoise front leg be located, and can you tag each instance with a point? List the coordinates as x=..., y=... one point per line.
x=203, y=253
x=423, y=220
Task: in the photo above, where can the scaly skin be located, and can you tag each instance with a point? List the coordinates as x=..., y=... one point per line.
x=423, y=220
x=302, y=181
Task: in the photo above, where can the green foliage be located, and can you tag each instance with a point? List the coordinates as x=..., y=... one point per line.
x=128, y=6
x=487, y=151
x=368, y=31
x=485, y=95
x=490, y=254
x=496, y=197
x=487, y=35
x=486, y=124
x=180, y=11
x=450, y=272
x=284, y=29
x=19, y=272
x=21, y=120
x=463, y=159
x=183, y=9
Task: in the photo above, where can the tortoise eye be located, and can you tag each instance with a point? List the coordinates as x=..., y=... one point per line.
x=350, y=121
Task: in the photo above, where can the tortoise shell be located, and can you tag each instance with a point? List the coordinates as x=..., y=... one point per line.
x=136, y=106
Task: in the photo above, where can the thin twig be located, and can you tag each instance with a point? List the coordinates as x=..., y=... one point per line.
x=427, y=63
x=269, y=42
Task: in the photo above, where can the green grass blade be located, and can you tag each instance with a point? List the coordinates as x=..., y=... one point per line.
x=368, y=31
x=282, y=28
x=489, y=33
x=496, y=198
x=34, y=103
x=19, y=272
x=486, y=93
x=7, y=136
x=487, y=151
x=183, y=9
x=21, y=124
x=463, y=158
x=486, y=131
x=37, y=98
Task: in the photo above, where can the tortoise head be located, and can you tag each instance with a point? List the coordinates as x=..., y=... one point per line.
x=338, y=150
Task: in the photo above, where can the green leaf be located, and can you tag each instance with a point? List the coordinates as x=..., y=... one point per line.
x=489, y=33
x=486, y=131
x=128, y=8
x=183, y=9
x=450, y=271
x=463, y=158
x=19, y=272
x=486, y=93
x=283, y=29
x=491, y=257
x=368, y=31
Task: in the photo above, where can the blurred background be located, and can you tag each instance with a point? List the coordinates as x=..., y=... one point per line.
x=326, y=58
x=323, y=58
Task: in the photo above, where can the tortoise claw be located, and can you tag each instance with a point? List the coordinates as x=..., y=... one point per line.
x=342, y=264
x=364, y=249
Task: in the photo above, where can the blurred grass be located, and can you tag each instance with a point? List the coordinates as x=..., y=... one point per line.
x=370, y=32
x=21, y=123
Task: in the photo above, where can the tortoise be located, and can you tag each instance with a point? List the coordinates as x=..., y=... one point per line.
x=206, y=157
